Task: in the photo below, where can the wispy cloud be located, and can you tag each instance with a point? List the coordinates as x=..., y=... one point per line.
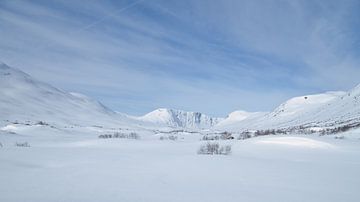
x=214, y=56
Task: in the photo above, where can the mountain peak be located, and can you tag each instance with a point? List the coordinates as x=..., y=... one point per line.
x=180, y=118
x=355, y=91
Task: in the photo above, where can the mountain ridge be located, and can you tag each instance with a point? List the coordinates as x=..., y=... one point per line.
x=25, y=98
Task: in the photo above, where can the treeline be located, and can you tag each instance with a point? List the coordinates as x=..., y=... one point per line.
x=299, y=130
x=218, y=136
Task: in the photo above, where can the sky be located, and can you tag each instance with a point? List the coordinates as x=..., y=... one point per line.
x=207, y=56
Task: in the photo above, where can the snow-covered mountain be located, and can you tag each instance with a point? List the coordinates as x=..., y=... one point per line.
x=23, y=98
x=181, y=119
x=329, y=109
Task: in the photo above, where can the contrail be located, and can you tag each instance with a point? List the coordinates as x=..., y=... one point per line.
x=109, y=15
x=112, y=14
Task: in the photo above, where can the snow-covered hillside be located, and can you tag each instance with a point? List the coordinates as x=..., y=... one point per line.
x=23, y=98
x=329, y=109
x=239, y=116
x=178, y=118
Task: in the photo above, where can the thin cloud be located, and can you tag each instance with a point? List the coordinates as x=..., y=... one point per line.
x=139, y=55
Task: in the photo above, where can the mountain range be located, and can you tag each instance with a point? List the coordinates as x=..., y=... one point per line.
x=23, y=98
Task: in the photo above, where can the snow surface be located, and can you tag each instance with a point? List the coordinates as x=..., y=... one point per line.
x=77, y=166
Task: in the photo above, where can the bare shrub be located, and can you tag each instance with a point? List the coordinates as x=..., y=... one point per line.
x=22, y=144
x=173, y=137
x=134, y=135
x=341, y=137
x=226, y=136
x=169, y=137
x=214, y=149
x=42, y=123
x=105, y=136
x=218, y=136
x=244, y=135
x=210, y=137
x=131, y=135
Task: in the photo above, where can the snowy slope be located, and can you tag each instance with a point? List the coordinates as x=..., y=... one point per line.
x=239, y=116
x=320, y=110
x=178, y=118
x=22, y=98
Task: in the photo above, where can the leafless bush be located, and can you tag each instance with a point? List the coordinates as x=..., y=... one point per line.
x=169, y=137
x=134, y=135
x=341, y=137
x=210, y=137
x=226, y=136
x=218, y=136
x=131, y=135
x=42, y=123
x=244, y=135
x=214, y=149
x=22, y=144
x=339, y=129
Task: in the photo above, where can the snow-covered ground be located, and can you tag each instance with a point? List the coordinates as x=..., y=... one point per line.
x=75, y=165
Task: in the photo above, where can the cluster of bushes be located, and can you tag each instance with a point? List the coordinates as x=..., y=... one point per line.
x=169, y=137
x=176, y=131
x=131, y=135
x=22, y=144
x=339, y=129
x=245, y=135
x=221, y=136
x=214, y=149
x=270, y=132
x=42, y=123
x=299, y=130
x=249, y=134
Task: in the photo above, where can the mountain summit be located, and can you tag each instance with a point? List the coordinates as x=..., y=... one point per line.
x=179, y=118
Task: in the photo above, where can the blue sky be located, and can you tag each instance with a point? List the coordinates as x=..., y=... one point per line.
x=202, y=55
